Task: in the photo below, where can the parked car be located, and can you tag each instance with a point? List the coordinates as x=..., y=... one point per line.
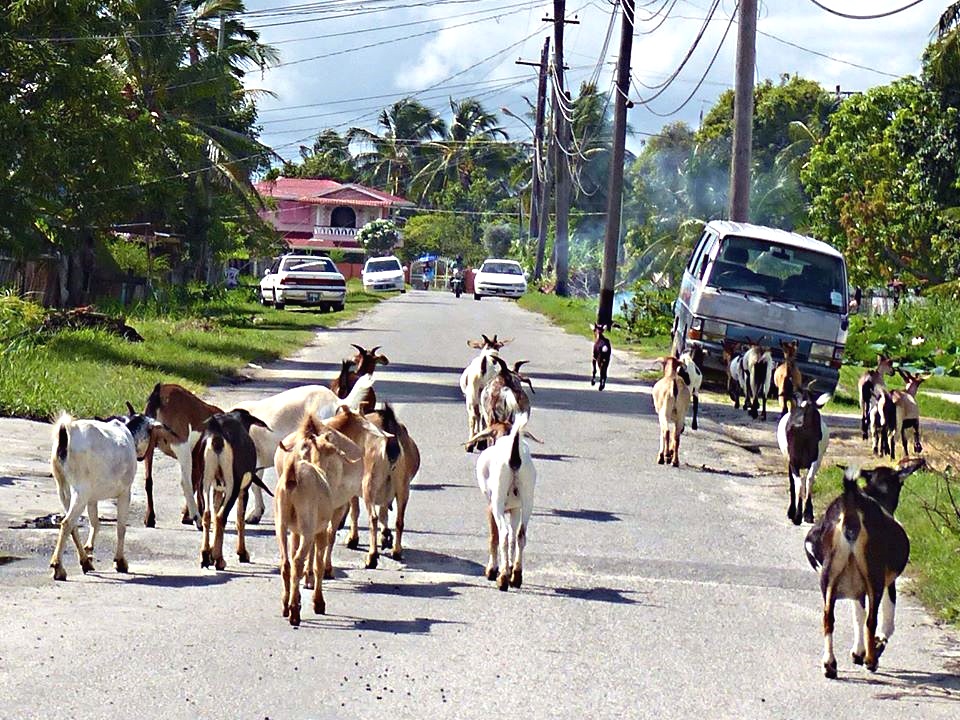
x=383, y=273
x=500, y=278
x=748, y=281
x=303, y=280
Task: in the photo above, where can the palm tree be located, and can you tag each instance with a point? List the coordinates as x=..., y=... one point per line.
x=395, y=157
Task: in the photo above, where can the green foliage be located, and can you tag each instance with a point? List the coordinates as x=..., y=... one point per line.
x=18, y=317
x=497, y=239
x=133, y=258
x=440, y=233
x=649, y=312
x=378, y=237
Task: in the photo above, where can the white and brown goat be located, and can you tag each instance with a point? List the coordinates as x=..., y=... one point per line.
x=475, y=377
x=736, y=377
x=866, y=386
x=503, y=397
x=787, y=377
x=860, y=550
x=908, y=411
x=671, y=396
x=366, y=362
x=602, y=350
x=692, y=362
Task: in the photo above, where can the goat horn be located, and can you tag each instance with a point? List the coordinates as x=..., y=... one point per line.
x=533, y=437
x=525, y=379
x=130, y=408
x=518, y=364
x=374, y=349
x=359, y=349
x=479, y=436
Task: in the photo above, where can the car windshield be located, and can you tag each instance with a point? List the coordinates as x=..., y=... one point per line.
x=382, y=265
x=502, y=268
x=309, y=265
x=780, y=272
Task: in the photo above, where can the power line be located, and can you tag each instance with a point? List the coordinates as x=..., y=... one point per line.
x=866, y=17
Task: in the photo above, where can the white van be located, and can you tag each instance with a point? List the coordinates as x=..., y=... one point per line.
x=383, y=273
x=752, y=282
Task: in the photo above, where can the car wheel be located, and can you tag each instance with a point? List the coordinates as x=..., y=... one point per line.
x=323, y=307
x=477, y=296
x=278, y=304
x=337, y=307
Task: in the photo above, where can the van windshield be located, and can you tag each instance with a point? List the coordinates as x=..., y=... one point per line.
x=780, y=272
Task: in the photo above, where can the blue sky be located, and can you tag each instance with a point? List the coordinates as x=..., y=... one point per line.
x=343, y=64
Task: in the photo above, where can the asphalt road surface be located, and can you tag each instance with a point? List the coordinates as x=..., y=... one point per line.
x=648, y=591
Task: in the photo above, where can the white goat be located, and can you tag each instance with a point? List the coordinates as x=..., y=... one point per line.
x=692, y=359
x=94, y=460
x=475, y=377
x=507, y=476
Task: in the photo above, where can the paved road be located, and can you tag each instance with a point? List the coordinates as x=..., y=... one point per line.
x=648, y=592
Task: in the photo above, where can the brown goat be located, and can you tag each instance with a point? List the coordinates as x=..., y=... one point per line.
x=366, y=362
x=787, y=377
x=311, y=483
x=671, y=396
x=865, y=389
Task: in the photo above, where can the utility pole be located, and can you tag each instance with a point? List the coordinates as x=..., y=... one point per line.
x=611, y=241
x=743, y=111
x=540, y=189
x=561, y=143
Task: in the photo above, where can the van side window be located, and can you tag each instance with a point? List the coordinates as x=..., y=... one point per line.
x=698, y=250
x=705, y=257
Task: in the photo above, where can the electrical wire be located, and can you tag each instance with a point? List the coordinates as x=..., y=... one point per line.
x=866, y=17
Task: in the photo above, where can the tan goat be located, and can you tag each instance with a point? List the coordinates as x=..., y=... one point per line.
x=787, y=377
x=908, y=412
x=671, y=396
x=310, y=484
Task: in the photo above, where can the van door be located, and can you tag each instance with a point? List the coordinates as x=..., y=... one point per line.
x=692, y=275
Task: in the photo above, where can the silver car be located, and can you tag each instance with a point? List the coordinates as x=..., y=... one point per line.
x=752, y=282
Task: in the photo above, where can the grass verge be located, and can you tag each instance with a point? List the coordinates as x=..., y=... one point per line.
x=934, y=539
x=576, y=315
x=92, y=372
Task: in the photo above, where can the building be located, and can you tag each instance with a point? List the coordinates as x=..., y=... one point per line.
x=315, y=214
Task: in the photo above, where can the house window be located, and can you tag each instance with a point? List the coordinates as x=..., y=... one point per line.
x=343, y=217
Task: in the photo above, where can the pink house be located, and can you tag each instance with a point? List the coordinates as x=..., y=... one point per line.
x=324, y=214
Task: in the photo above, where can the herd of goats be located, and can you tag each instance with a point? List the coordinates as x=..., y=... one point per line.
x=332, y=446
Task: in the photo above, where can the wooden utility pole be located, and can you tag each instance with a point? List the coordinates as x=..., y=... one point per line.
x=540, y=192
x=561, y=166
x=611, y=241
x=743, y=111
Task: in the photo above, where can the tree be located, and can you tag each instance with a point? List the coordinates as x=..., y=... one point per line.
x=497, y=239
x=441, y=234
x=329, y=158
x=378, y=237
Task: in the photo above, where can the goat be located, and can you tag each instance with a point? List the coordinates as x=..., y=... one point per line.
x=883, y=419
x=185, y=413
x=671, y=396
x=94, y=460
x=758, y=368
x=312, y=484
x=860, y=550
x=787, y=377
x=692, y=362
x=366, y=362
x=402, y=472
x=475, y=377
x=602, y=350
x=908, y=412
x=803, y=437
x=507, y=477
x=736, y=377
x=868, y=381
x=503, y=397
x=225, y=460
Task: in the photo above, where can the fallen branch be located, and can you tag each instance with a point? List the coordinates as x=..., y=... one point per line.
x=87, y=317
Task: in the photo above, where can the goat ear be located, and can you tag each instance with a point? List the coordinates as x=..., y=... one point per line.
x=503, y=342
x=475, y=344
x=527, y=433
x=823, y=400
x=908, y=467
x=382, y=359
x=254, y=420
x=130, y=408
x=480, y=436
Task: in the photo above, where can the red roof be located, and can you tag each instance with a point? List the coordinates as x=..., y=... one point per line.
x=327, y=192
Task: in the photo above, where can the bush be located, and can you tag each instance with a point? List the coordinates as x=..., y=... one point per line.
x=497, y=239
x=649, y=312
x=378, y=237
x=18, y=317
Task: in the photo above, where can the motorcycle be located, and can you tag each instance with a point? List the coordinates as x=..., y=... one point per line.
x=456, y=282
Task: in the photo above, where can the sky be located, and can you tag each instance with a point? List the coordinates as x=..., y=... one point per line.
x=342, y=61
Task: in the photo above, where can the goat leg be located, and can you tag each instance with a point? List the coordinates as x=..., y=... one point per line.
x=829, y=601
x=871, y=658
x=494, y=543
x=242, y=554
x=593, y=377
x=150, y=518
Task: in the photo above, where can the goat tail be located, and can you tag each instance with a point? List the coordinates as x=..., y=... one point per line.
x=788, y=389
x=62, y=433
x=260, y=484
x=516, y=432
x=851, y=517
x=153, y=402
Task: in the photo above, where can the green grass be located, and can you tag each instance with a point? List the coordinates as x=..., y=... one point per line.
x=576, y=315
x=934, y=544
x=91, y=372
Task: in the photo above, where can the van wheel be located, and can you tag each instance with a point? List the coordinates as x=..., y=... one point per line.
x=477, y=296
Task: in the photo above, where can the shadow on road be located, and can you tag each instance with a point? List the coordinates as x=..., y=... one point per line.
x=580, y=514
x=416, y=626
x=440, y=562
x=433, y=590
x=910, y=685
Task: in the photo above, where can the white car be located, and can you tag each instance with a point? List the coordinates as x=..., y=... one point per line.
x=499, y=278
x=303, y=280
x=383, y=273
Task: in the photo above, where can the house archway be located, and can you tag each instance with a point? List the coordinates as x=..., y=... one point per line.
x=343, y=217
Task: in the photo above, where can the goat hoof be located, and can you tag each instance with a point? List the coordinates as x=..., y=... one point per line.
x=592, y=382
x=386, y=542
x=286, y=611
x=871, y=665
x=121, y=565
x=328, y=573
x=516, y=579
x=491, y=572
x=220, y=563
x=503, y=582
x=150, y=521
x=206, y=559
x=808, y=515
x=88, y=549
x=857, y=659
x=295, y=616
x=469, y=447
x=881, y=645
x=660, y=460
x=693, y=425
x=58, y=572
x=372, y=561
x=186, y=519
x=309, y=582
x=320, y=607
x=253, y=518
x=797, y=518
x=676, y=461
x=353, y=543
x=86, y=565
x=830, y=670
x=397, y=555
x=197, y=523
x=243, y=557
x=791, y=511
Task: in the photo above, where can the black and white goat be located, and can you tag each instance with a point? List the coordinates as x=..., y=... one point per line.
x=736, y=376
x=882, y=412
x=475, y=377
x=860, y=550
x=692, y=361
x=803, y=438
x=602, y=350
